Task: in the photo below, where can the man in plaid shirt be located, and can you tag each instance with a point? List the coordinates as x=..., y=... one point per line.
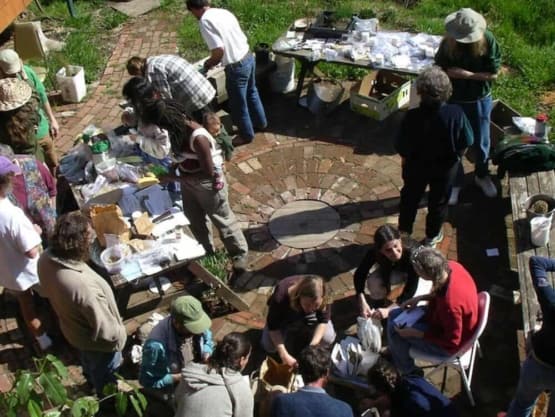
x=173, y=77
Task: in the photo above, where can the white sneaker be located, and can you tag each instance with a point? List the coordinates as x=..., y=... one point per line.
x=454, y=197
x=487, y=186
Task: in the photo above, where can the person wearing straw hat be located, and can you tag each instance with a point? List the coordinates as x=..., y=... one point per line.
x=471, y=57
x=180, y=338
x=11, y=66
x=19, y=117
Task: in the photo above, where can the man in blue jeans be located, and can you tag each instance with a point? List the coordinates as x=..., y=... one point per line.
x=538, y=370
x=228, y=44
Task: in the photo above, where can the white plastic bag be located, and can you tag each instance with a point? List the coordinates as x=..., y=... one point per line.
x=369, y=332
x=540, y=230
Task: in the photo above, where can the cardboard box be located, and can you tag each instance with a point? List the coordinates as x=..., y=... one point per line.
x=380, y=94
x=501, y=122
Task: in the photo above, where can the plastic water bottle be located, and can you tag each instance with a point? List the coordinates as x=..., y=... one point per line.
x=540, y=130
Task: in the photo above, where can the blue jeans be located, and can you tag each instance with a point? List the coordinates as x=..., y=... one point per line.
x=245, y=105
x=400, y=346
x=479, y=116
x=99, y=368
x=534, y=379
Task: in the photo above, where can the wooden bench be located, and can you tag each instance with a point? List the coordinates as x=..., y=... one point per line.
x=521, y=187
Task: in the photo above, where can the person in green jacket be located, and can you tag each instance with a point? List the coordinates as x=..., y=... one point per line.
x=11, y=66
x=471, y=57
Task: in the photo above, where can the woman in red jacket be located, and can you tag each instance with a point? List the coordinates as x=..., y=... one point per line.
x=451, y=315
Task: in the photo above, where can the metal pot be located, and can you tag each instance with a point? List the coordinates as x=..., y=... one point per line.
x=529, y=202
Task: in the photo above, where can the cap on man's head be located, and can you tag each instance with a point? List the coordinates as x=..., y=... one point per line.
x=10, y=63
x=8, y=167
x=187, y=311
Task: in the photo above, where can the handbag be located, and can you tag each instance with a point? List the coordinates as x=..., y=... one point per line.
x=273, y=378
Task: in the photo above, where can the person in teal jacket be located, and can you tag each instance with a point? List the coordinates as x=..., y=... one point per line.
x=182, y=337
x=48, y=129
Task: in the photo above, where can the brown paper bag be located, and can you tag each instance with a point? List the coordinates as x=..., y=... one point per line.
x=108, y=219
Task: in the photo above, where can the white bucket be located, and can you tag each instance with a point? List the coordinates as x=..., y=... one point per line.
x=540, y=230
x=71, y=80
x=282, y=80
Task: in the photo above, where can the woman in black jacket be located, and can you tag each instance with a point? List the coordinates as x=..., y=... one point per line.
x=386, y=272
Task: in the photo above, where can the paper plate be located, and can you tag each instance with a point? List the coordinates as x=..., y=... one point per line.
x=164, y=283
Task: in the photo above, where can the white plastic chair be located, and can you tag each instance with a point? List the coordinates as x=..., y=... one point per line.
x=463, y=360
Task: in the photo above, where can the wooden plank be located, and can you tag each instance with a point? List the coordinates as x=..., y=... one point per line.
x=222, y=290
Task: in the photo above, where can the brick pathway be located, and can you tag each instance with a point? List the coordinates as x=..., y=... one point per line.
x=344, y=160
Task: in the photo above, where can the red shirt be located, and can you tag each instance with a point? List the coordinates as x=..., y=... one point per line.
x=453, y=313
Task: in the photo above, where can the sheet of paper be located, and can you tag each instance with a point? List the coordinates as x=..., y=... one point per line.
x=492, y=252
x=171, y=223
x=187, y=248
x=409, y=317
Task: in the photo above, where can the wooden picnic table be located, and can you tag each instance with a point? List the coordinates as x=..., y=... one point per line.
x=521, y=188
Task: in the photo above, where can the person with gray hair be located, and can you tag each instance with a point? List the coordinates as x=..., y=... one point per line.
x=431, y=141
x=451, y=315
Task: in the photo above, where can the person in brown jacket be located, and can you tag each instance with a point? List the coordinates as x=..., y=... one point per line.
x=83, y=300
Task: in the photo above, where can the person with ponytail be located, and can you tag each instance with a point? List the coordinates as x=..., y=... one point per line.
x=431, y=141
x=218, y=388
x=199, y=163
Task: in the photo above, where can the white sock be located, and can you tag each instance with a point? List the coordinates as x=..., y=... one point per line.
x=44, y=341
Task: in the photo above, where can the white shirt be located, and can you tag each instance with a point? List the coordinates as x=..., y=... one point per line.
x=17, y=236
x=220, y=29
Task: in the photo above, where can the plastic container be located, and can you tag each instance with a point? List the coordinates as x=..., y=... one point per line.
x=114, y=257
x=324, y=96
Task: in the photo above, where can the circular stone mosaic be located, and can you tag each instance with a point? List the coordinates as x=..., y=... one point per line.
x=304, y=224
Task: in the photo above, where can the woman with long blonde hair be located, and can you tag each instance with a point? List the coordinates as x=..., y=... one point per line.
x=470, y=56
x=298, y=315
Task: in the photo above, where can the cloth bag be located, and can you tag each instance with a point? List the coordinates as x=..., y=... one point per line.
x=272, y=379
x=540, y=230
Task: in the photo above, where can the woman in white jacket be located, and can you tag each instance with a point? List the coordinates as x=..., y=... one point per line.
x=218, y=389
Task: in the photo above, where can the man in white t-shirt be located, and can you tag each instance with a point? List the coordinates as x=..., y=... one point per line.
x=19, y=251
x=228, y=44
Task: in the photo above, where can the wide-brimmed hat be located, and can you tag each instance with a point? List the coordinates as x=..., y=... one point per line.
x=14, y=93
x=10, y=63
x=187, y=310
x=465, y=25
x=7, y=167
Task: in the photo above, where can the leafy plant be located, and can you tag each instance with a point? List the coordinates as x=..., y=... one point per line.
x=41, y=393
x=216, y=264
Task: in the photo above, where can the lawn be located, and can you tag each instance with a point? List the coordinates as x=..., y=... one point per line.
x=526, y=36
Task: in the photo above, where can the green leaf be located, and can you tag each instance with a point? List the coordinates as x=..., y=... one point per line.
x=34, y=409
x=109, y=389
x=53, y=388
x=57, y=365
x=136, y=405
x=84, y=407
x=142, y=399
x=121, y=403
x=53, y=413
x=23, y=387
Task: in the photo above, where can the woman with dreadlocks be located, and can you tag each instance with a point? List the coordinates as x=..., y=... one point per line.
x=198, y=159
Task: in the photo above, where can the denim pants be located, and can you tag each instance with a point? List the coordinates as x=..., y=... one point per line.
x=99, y=368
x=203, y=204
x=400, y=346
x=245, y=105
x=479, y=116
x=416, y=177
x=534, y=379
